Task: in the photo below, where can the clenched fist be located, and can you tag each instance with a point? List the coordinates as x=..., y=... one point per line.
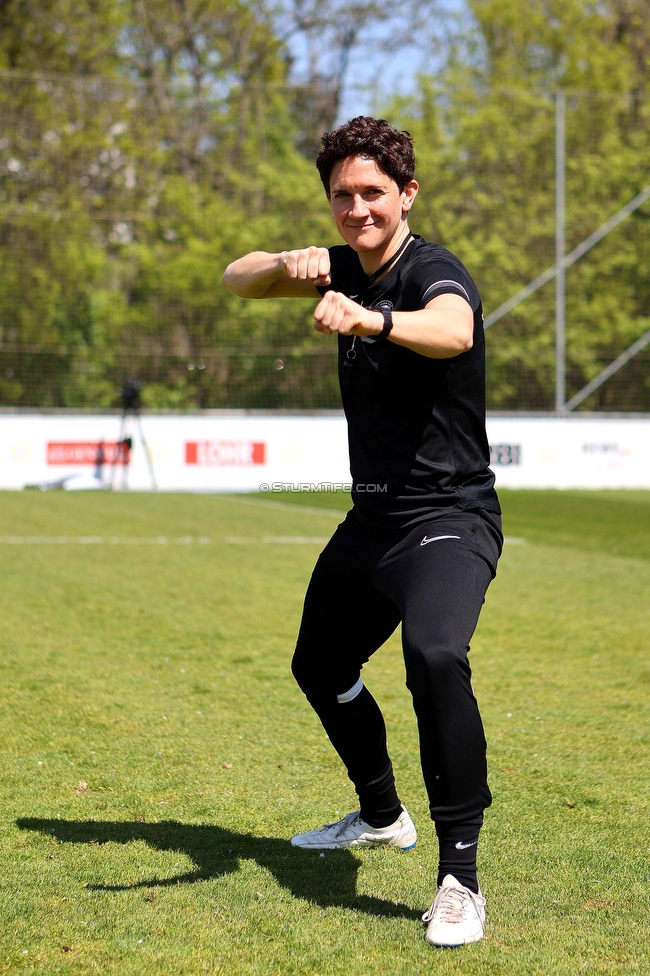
x=307, y=264
x=337, y=313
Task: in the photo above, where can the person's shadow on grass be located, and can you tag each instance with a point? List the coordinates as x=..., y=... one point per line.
x=216, y=852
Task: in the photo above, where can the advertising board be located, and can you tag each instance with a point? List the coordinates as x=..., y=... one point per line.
x=225, y=452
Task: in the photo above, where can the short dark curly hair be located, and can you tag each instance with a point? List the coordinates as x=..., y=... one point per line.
x=373, y=138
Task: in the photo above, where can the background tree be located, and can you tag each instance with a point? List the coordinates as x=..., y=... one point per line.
x=485, y=136
x=151, y=175
x=145, y=143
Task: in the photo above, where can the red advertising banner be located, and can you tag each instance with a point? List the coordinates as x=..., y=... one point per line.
x=225, y=453
x=87, y=452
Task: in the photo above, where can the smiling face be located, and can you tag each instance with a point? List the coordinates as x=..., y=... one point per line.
x=368, y=208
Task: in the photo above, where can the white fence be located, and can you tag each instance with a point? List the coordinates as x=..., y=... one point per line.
x=221, y=452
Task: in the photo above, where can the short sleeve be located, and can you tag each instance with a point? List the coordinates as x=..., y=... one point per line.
x=433, y=274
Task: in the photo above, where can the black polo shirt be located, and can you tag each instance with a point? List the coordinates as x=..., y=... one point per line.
x=416, y=426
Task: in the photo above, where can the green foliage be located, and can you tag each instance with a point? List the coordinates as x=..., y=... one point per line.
x=129, y=187
x=485, y=137
x=144, y=145
x=68, y=36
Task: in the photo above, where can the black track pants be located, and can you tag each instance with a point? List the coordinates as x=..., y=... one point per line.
x=433, y=578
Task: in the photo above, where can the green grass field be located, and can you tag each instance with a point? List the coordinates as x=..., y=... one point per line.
x=157, y=756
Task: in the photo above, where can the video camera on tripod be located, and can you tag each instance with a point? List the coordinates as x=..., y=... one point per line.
x=129, y=394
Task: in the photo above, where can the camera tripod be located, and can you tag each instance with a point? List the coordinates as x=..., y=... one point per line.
x=130, y=397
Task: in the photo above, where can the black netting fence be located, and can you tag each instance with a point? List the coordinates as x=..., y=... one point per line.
x=215, y=379
x=270, y=379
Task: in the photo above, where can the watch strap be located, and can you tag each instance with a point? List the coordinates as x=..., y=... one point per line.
x=388, y=323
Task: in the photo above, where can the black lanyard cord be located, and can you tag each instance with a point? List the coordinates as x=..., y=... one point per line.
x=392, y=259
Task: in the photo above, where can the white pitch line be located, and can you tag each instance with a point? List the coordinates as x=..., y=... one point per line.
x=188, y=540
x=113, y=540
x=161, y=540
x=279, y=540
x=317, y=540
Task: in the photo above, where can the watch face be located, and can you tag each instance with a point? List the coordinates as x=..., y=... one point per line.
x=384, y=304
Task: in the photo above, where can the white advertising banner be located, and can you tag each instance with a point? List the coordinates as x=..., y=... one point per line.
x=225, y=452
x=191, y=452
x=571, y=452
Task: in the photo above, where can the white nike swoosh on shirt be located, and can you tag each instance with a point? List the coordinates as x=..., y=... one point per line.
x=436, y=538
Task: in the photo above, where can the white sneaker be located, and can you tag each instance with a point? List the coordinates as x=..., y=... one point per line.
x=352, y=831
x=457, y=915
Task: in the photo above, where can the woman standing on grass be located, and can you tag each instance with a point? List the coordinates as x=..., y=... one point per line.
x=423, y=538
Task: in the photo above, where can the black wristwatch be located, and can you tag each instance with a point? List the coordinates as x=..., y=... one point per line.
x=388, y=323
